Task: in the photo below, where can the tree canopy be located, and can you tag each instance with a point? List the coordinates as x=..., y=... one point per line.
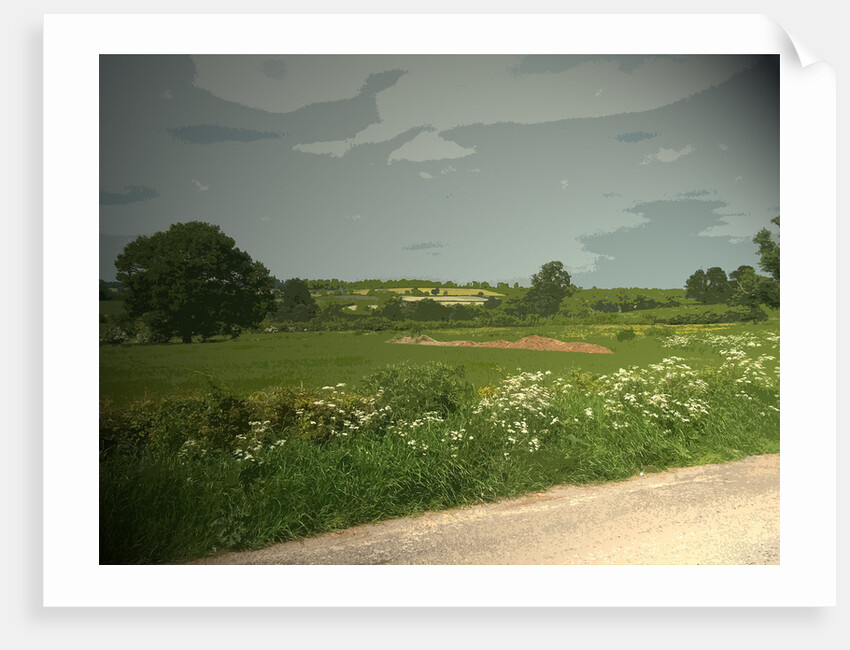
x=753, y=289
x=296, y=302
x=711, y=286
x=549, y=287
x=192, y=280
x=743, y=286
x=768, y=250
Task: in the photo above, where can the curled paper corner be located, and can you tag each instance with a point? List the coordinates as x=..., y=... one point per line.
x=795, y=47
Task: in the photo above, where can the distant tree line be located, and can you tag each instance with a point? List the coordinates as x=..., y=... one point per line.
x=342, y=286
x=192, y=281
x=743, y=286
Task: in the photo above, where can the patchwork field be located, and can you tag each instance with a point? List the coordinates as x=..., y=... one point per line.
x=449, y=300
x=446, y=290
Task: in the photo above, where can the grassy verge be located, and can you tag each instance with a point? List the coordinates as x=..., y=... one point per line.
x=184, y=477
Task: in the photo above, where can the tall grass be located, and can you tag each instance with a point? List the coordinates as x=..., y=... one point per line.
x=299, y=462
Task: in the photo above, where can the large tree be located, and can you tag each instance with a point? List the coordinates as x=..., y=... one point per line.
x=549, y=287
x=696, y=285
x=711, y=286
x=718, y=288
x=753, y=289
x=768, y=250
x=296, y=302
x=192, y=280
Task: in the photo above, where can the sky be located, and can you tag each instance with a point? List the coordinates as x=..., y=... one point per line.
x=634, y=171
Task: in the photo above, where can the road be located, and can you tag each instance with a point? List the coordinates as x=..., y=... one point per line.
x=715, y=514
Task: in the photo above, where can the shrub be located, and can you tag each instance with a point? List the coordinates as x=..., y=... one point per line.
x=114, y=336
x=411, y=390
x=626, y=335
x=281, y=406
x=144, y=334
x=128, y=425
x=224, y=418
x=176, y=420
x=721, y=314
x=214, y=420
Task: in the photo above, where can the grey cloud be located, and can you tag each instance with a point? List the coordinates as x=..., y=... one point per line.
x=635, y=136
x=671, y=239
x=742, y=111
x=213, y=133
x=692, y=194
x=423, y=246
x=131, y=194
x=379, y=81
x=273, y=68
x=548, y=63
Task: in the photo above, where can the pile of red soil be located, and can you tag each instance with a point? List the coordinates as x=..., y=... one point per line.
x=527, y=343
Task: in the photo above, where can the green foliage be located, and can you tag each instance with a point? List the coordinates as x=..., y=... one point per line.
x=574, y=306
x=114, y=336
x=751, y=289
x=192, y=280
x=626, y=334
x=425, y=310
x=215, y=420
x=744, y=287
x=318, y=460
x=430, y=387
x=736, y=275
x=391, y=308
x=768, y=250
x=718, y=315
x=297, y=305
x=516, y=306
x=588, y=304
x=549, y=287
x=718, y=288
x=710, y=287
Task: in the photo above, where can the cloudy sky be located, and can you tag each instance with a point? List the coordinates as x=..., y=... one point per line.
x=631, y=170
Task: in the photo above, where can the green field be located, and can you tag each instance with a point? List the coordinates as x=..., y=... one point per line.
x=258, y=361
x=208, y=447
x=449, y=291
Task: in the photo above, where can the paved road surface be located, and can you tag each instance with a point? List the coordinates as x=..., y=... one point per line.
x=717, y=514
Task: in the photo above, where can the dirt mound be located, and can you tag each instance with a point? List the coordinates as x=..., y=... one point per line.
x=533, y=342
x=416, y=340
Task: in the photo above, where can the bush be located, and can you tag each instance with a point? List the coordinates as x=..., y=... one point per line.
x=224, y=418
x=410, y=390
x=146, y=335
x=114, y=336
x=128, y=425
x=279, y=406
x=626, y=334
x=214, y=420
x=719, y=315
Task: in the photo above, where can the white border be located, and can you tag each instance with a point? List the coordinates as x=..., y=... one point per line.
x=72, y=576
